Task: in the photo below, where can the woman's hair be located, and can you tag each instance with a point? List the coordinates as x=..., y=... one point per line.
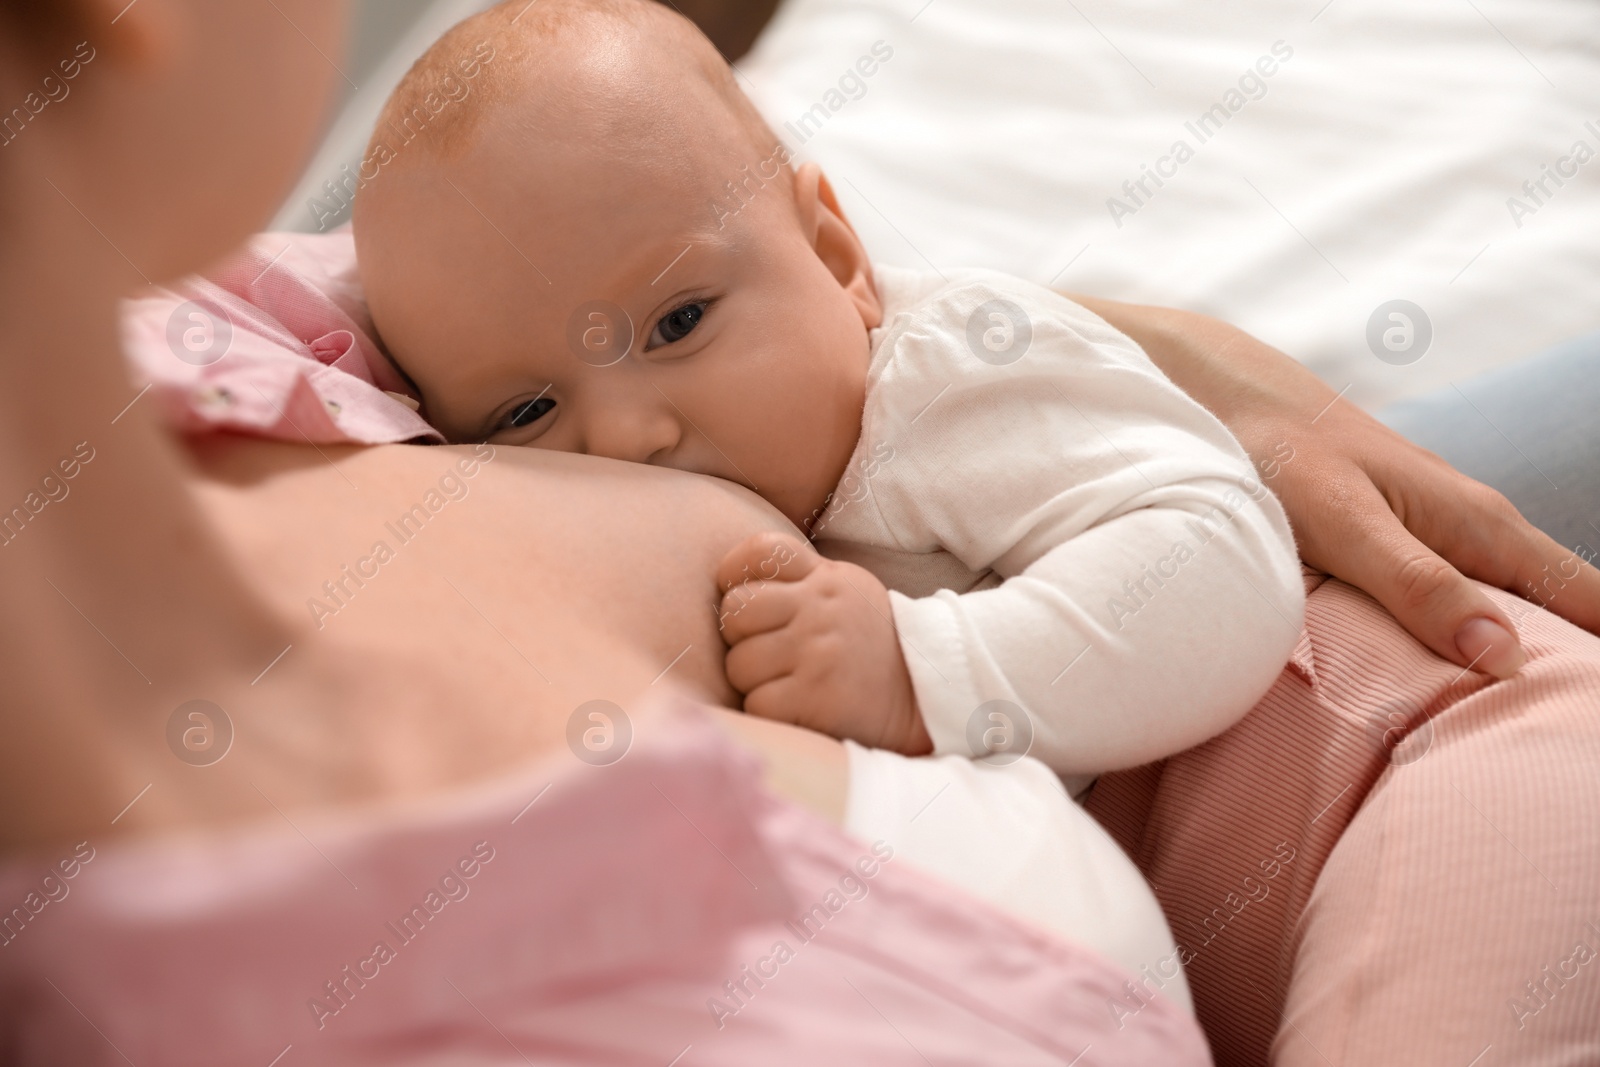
x=42, y=27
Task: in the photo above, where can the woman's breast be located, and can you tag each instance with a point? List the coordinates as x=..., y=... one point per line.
x=596, y=574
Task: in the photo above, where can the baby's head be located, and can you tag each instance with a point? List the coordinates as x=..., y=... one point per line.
x=594, y=244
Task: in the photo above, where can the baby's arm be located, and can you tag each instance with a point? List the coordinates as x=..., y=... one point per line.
x=1075, y=474
x=1151, y=590
x=1140, y=637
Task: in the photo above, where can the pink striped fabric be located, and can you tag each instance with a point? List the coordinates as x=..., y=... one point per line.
x=1390, y=860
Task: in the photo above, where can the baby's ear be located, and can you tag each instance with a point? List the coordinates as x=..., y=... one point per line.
x=835, y=241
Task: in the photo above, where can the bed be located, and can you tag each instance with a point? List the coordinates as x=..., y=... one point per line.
x=1342, y=156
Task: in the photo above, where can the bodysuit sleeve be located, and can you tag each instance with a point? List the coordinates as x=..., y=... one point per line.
x=1150, y=590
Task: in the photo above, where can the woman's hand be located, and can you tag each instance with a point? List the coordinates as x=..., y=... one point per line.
x=1367, y=505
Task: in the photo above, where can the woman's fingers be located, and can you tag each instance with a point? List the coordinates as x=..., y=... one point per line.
x=1558, y=579
x=1490, y=540
x=1366, y=504
x=1363, y=542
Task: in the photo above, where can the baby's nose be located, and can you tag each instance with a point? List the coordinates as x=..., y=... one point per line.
x=633, y=436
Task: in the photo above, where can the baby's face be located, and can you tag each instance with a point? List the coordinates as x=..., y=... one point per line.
x=555, y=288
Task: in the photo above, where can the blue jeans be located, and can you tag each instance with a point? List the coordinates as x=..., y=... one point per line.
x=1531, y=430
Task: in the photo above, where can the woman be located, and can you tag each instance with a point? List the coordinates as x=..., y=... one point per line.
x=167, y=575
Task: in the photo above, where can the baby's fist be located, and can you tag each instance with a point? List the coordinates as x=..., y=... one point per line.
x=812, y=642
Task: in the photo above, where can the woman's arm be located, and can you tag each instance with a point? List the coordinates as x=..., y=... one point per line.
x=1367, y=505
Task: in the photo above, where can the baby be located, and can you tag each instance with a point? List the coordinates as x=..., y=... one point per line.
x=1027, y=537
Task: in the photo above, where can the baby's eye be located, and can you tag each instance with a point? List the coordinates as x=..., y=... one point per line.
x=530, y=412
x=676, y=325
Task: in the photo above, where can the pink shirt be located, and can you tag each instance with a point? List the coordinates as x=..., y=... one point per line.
x=661, y=910
x=274, y=342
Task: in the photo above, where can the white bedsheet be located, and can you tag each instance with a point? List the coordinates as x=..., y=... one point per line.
x=1377, y=165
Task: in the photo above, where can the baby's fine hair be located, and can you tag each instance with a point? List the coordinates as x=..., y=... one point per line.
x=484, y=61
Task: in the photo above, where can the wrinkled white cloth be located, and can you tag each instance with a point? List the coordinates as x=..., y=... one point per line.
x=1011, y=836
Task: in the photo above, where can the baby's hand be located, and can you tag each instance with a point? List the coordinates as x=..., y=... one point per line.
x=812, y=642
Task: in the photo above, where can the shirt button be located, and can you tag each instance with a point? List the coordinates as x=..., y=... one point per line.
x=408, y=401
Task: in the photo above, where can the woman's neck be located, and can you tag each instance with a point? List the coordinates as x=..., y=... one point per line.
x=97, y=520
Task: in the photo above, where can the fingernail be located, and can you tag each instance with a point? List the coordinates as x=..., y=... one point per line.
x=1490, y=647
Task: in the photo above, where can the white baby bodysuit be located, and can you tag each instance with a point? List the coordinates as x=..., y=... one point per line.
x=1062, y=529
